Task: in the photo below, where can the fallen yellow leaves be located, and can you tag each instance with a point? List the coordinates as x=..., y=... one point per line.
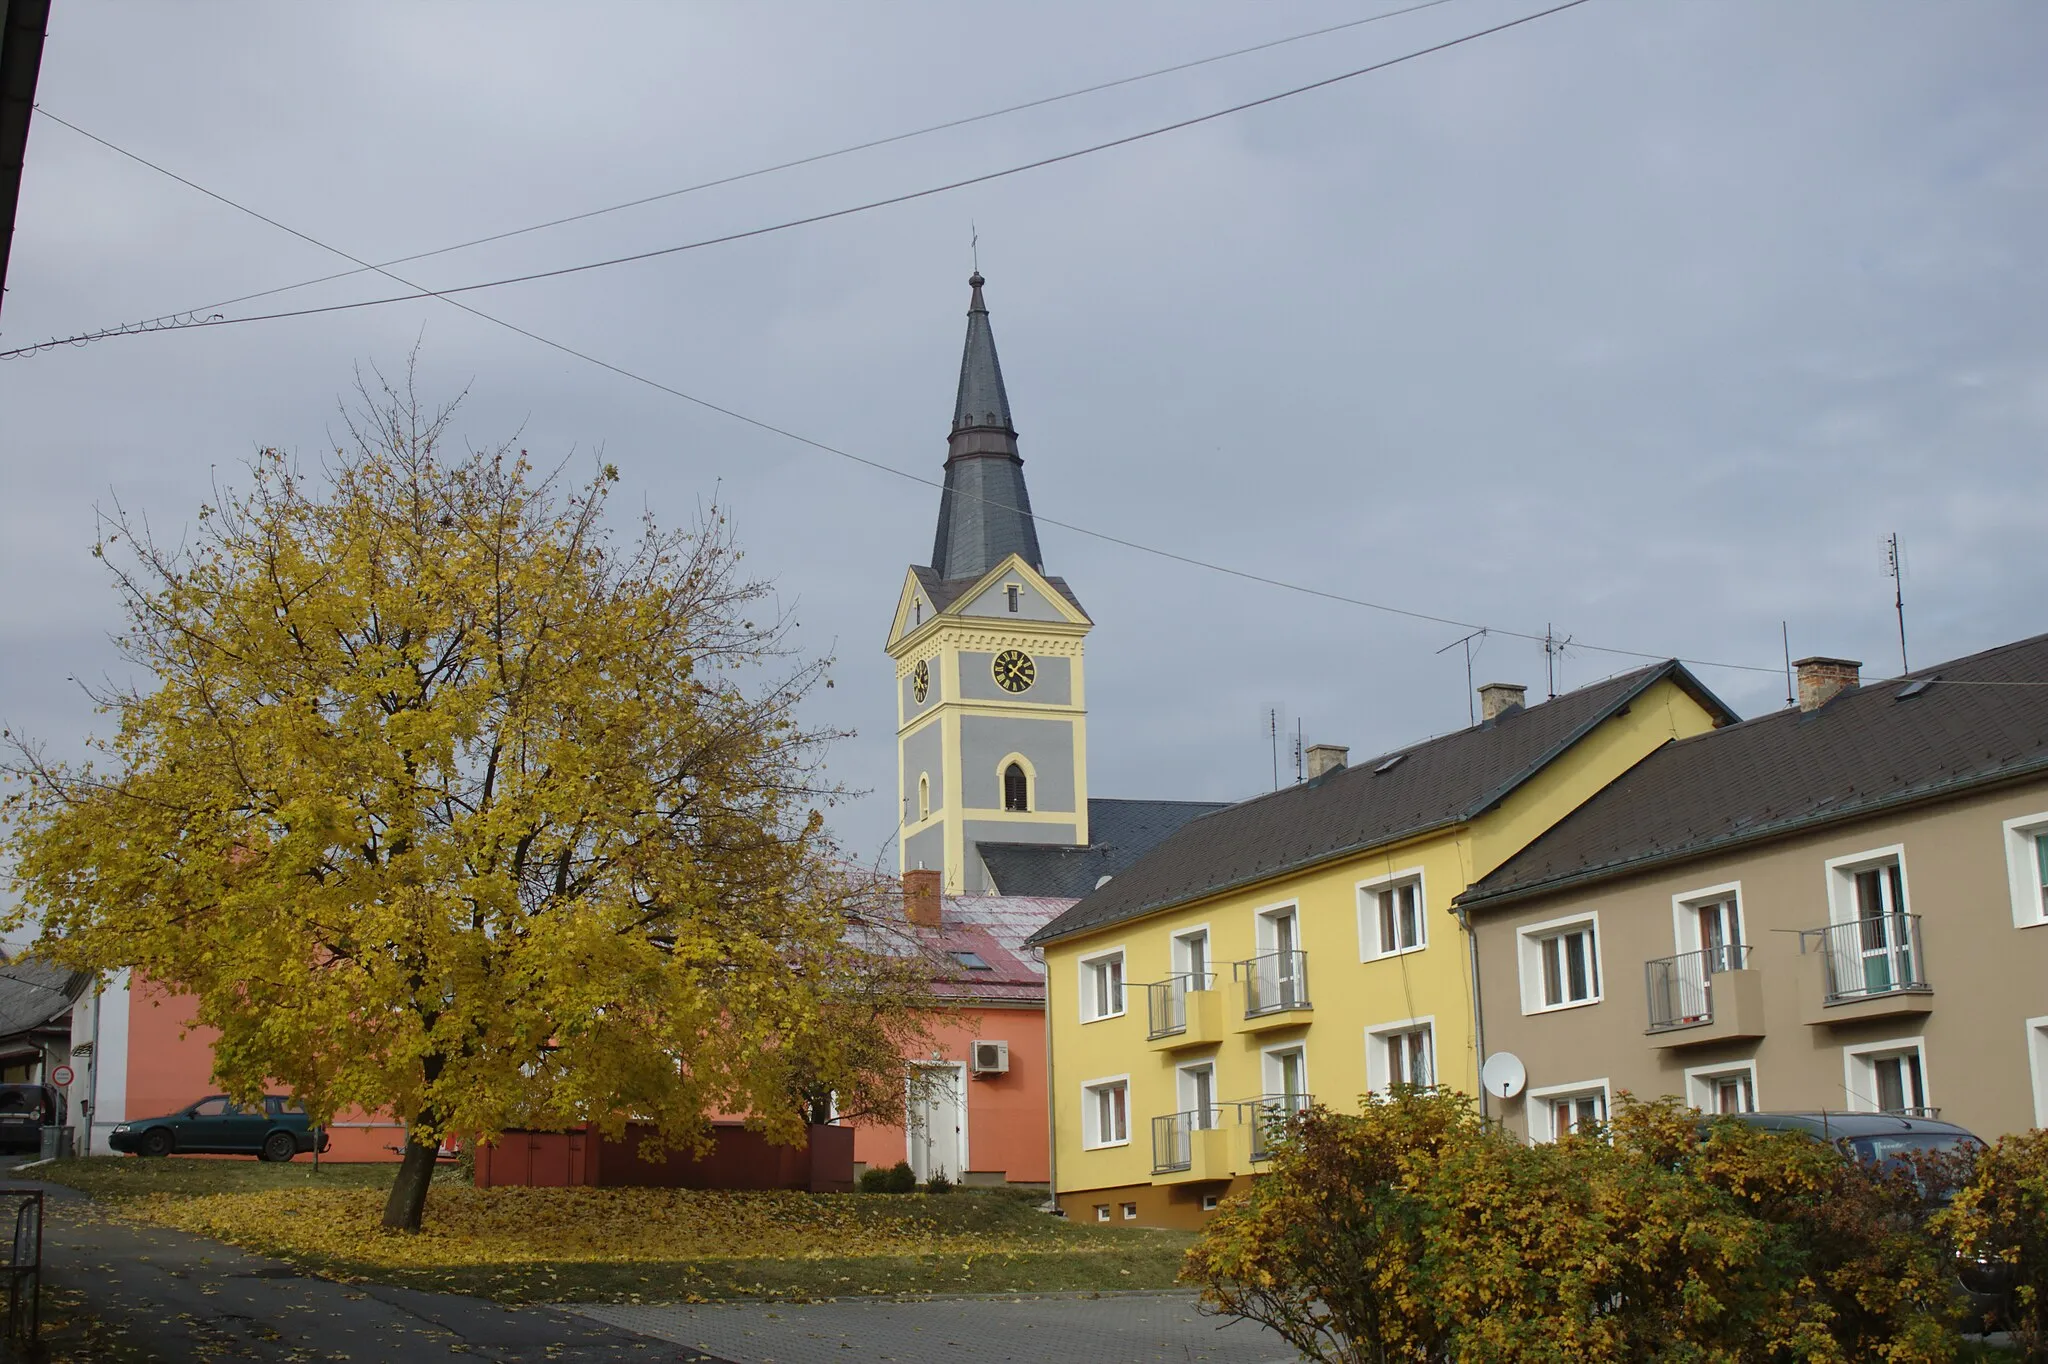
x=471, y=1227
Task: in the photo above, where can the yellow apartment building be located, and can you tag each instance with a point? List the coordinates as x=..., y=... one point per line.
x=1304, y=943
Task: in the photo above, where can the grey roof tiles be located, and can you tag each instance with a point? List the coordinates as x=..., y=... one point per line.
x=984, y=510
x=1440, y=781
x=1119, y=832
x=1865, y=751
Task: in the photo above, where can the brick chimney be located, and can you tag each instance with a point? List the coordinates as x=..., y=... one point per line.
x=1496, y=698
x=1324, y=758
x=922, y=902
x=1821, y=680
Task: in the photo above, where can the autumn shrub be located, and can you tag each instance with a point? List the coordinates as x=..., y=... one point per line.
x=938, y=1183
x=901, y=1178
x=874, y=1180
x=2001, y=1217
x=1414, y=1230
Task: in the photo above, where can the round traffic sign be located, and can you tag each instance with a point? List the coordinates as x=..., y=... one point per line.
x=62, y=1076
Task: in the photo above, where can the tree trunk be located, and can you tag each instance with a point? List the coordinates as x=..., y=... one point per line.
x=408, y=1201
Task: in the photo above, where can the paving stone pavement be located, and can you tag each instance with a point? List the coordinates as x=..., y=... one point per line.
x=1116, y=1328
x=169, y=1298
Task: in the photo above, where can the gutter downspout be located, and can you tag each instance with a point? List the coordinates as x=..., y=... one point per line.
x=1478, y=1009
x=1052, y=1143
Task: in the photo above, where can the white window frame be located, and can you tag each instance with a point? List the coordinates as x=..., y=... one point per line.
x=2023, y=870
x=1529, y=949
x=1859, y=1070
x=1700, y=1079
x=1183, y=1085
x=2037, y=1063
x=1178, y=956
x=1685, y=919
x=1265, y=934
x=1130, y=1211
x=1841, y=873
x=1537, y=1106
x=1209, y=1201
x=1090, y=1135
x=1370, y=948
x=1087, y=983
x=1379, y=1077
x=1269, y=1066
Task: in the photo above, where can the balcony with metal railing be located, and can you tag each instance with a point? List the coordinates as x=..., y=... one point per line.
x=1275, y=990
x=1872, y=967
x=1184, y=1010
x=1222, y=1141
x=1711, y=995
x=1192, y=1145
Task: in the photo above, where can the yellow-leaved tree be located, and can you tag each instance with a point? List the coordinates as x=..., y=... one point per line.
x=449, y=800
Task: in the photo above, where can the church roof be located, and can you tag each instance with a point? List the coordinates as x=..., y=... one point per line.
x=1121, y=832
x=984, y=511
x=945, y=591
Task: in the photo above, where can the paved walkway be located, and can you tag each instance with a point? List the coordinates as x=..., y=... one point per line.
x=177, y=1299
x=1117, y=1328
x=166, y=1297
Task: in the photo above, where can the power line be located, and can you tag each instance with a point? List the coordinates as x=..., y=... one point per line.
x=880, y=467
x=783, y=226
x=800, y=161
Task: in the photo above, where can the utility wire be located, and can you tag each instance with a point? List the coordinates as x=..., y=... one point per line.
x=784, y=432
x=870, y=205
x=810, y=160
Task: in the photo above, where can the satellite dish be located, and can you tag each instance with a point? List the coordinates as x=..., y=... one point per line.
x=1503, y=1075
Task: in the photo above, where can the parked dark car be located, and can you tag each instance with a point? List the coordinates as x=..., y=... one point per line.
x=1890, y=1141
x=25, y=1110
x=1887, y=1140
x=277, y=1129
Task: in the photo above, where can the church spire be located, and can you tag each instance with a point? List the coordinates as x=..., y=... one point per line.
x=984, y=512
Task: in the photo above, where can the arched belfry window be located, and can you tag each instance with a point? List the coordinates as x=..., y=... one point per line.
x=924, y=795
x=1016, y=788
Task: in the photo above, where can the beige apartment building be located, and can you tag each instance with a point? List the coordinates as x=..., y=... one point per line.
x=1839, y=906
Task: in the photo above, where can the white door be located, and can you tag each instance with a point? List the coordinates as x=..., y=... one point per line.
x=938, y=1121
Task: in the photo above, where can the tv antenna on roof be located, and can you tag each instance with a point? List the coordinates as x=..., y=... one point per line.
x=1553, y=650
x=1471, y=713
x=1898, y=569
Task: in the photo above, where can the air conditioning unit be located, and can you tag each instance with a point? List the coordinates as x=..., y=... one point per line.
x=991, y=1058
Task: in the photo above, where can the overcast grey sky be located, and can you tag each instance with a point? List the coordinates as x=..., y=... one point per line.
x=1648, y=320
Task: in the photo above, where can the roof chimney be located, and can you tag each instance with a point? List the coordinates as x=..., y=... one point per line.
x=1821, y=680
x=921, y=899
x=1324, y=758
x=1497, y=698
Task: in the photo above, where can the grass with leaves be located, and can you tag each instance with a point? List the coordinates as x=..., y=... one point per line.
x=627, y=1245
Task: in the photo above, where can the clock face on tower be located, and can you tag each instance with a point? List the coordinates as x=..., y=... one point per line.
x=921, y=681
x=1014, y=670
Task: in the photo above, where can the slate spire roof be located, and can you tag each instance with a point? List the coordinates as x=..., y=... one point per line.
x=984, y=512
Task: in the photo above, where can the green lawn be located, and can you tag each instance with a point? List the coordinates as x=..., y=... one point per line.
x=624, y=1245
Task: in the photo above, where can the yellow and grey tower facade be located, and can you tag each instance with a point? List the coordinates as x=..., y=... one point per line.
x=991, y=711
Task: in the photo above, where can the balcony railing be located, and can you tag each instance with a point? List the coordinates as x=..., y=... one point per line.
x=1274, y=982
x=1173, y=1137
x=1874, y=956
x=1166, y=1002
x=1268, y=1116
x=1681, y=988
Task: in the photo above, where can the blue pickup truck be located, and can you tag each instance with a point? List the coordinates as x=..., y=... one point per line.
x=276, y=1129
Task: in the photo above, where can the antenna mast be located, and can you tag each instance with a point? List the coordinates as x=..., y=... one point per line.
x=1898, y=596
x=1785, y=635
x=1471, y=709
x=1298, y=774
x=1553, y=649
x=1273, y=732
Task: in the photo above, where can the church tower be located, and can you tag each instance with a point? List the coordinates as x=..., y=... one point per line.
x=991, y=724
